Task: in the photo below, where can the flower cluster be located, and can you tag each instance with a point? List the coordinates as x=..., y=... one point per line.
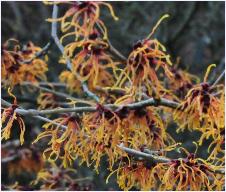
x=47, y=101
x=188, y=173
x=54, y=177
x=135, y=174
x=15, y=70
x=88, y=52
x=201, y=110
x=8, y=117
x=89, y=133
x=64, y=143
x=181, y=82
x=29, y=160
x=147, y=57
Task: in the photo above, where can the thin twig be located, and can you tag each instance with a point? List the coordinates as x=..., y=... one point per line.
x=61, y=48
x=39, y=54
x=221, y=76
x=63, y=95
x=134, y=152
x=8, y=159
x=50, y=84
x=112, y=49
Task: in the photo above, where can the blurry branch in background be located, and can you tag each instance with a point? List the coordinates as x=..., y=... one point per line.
x=63, y=95
x=40, y=53
x=179, y=29
x=112, y=49
x=10, y=158
x=13, y=143
x=61, y=48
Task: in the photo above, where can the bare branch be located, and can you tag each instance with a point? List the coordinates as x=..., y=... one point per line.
x=63, y=95
x=221, y=76
x=61, y=48
x=39, y=54
x=155, y=158
x=145, y=103
x=10, y=158
x=50, y=84
x=112, y=49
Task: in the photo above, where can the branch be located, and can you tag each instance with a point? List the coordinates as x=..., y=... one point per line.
x=63, y=95
x=61, y=48
x=155, y=158
x=112, y=49
x=10, y=158
x=39, y=54
x=10, y=144
x=50, y=84
x=221, y=76
x=22, y=111
x=141, y=104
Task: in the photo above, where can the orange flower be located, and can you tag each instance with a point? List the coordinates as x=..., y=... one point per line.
x=62, y=141
x=54, y=177
x=29, y=161
x=102, y=135
x=15, y=71
x=188, y=173
x=143, y=63
x=182, y=82
x=47, y=101
x=10, y=64
x=201, y=110
x=144, y=127
x=9, y=115
x=91, y=62
x=83, y=18
x=134, y=174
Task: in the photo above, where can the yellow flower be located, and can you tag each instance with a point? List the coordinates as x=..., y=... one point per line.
x=72, y=83
x=188, y=173
x=102, y=135
x=63, y=143
x=147, y=57
x=83, y=18
x=9, y=116
x=47, y=101
x=144, y=127
x=15, y=71
x=201, y=110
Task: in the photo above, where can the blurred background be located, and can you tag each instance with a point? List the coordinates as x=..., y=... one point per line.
x=195, y=32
